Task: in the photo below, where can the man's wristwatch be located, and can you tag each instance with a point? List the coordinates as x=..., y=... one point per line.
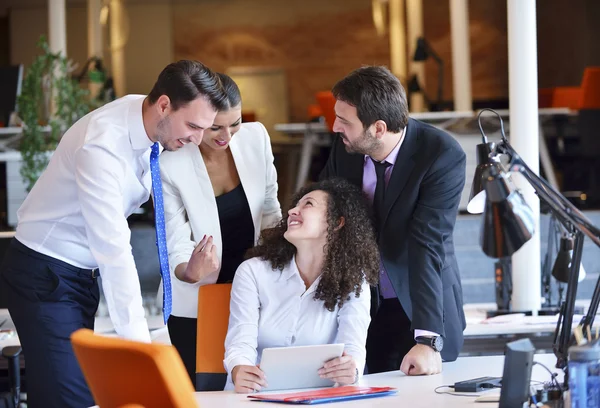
x=436, y=342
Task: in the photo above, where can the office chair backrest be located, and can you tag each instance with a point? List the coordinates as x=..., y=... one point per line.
x=590, y=88
x=566, y=97
x=327, y=104
x=129, y=373
x=213, y=319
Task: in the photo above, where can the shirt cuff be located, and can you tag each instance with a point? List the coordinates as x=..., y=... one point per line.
x=427, y=333
x=236, y=361
x=137, y=331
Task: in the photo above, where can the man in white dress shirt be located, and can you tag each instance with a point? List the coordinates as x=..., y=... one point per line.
x=73, y=226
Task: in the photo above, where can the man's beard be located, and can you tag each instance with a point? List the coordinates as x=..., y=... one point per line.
x=366, y=144
x=162, y=131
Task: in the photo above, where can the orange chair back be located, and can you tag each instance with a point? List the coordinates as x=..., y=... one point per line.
x=129, y=373
x=213, y=319
x=545, y=96
x=590, y=89
x=314, y=111
x=327, y=104
x=566, y=97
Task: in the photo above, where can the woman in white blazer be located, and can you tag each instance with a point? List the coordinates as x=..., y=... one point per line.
x=217, y=198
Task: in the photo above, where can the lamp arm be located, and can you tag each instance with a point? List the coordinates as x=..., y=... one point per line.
x=440, y=62
x=562, y=208
x=564, y=332
x=434, y=54
x=573, y=220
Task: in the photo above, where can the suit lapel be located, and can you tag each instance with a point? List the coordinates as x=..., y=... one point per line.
x=405, y=163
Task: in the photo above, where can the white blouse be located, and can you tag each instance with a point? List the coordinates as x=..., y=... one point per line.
x=272, y=308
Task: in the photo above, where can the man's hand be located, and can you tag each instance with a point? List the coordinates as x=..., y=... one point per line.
x=203, y=261
x=248, y=379
x=341, y=370
x=421, y=360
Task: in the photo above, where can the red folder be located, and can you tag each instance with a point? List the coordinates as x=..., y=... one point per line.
x=320, y=396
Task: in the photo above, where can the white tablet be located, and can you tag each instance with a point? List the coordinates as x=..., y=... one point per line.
x=297, y=367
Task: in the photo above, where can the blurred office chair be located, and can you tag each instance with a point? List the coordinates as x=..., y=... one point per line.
x=314, y=113
x=584, y=96
x=213, y=320
x=124, y=373
x=327, y=103
x=588, y=125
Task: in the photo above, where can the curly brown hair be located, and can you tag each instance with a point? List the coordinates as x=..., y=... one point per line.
x=351, y=252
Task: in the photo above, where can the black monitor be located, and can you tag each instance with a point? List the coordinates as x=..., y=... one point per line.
x=516, y=378
x=11, y=78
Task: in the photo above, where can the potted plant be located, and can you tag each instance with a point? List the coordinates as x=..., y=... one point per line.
x=50, y=102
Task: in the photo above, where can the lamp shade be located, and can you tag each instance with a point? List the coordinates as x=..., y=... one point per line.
x=507, y=219
x=413, y=84
x=562, y=265
x=421, y=53
x=476, y=203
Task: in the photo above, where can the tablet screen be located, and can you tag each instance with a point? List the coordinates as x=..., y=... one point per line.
x=297, y=367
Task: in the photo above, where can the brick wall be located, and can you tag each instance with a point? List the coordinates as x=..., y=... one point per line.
x=318, y=41
x=315, y=43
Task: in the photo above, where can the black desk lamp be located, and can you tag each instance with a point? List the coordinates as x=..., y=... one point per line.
x=507, y=227
x=413, y=86
x=422, y=53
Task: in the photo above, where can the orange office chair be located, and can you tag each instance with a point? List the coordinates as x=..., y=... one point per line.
x=567, y=97
x=124, y=373
x=213, y=319
x=327, y=104
x=314, y=112
x=590, y=89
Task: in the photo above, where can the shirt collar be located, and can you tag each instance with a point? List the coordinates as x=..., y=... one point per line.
x=137, y=133
x=291, y=269
x=391, y=158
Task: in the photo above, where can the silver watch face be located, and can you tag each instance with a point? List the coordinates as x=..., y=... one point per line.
x=438, y=343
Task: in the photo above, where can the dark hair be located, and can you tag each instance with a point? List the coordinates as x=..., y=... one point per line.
x=377, y=95
x=351, y=252
x=234, y=98
x=186, y=80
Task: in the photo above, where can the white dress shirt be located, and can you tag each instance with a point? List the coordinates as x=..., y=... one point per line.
x=191, y=207
x=77, y=211
x=272, y=308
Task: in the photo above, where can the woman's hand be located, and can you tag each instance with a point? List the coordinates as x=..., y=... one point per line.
x=342, y=370
x=248, y=379
x=203, y=261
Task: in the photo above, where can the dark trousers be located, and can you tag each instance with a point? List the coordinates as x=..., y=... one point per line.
x=389, y=338
x=182, y=331
x=48, y=300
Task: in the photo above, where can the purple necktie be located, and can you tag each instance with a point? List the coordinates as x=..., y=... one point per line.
x=385, y=285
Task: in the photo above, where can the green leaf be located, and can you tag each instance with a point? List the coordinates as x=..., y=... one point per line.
x=47, y=84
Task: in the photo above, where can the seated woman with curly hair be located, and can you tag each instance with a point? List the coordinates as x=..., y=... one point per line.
x=307, y=283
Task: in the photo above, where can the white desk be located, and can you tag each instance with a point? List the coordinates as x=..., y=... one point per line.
x=478, y=325
x=416, y=392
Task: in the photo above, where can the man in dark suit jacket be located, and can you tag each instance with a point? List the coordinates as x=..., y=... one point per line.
x=414, y=174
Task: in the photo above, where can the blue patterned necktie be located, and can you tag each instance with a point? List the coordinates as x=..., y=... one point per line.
x=161, y=238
